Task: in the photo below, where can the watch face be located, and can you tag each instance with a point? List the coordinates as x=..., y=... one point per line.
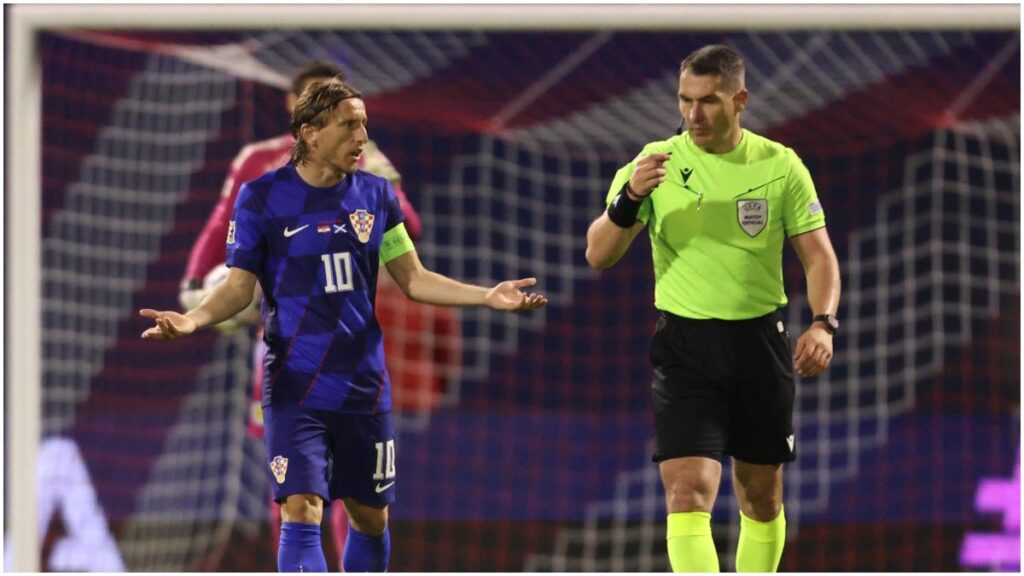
x=829, y=320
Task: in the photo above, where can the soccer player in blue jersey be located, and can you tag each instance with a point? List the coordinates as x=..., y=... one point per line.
x=313, y=233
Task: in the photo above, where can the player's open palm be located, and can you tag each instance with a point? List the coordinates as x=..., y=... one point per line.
x=169, y=324
x=509, y=295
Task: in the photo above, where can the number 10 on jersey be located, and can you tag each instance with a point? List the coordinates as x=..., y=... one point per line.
x=385, y=460
x=338, y=272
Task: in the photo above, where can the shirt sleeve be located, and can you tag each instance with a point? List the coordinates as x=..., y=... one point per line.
x=412, y=219
x=803, y=211
x=246, y=237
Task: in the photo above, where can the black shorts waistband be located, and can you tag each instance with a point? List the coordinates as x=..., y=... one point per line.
x=682, y=320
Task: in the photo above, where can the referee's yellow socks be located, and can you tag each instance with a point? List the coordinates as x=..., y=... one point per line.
x=690, y=547
x=761, y=543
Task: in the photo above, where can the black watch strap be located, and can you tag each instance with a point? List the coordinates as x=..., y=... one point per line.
x=830, y=321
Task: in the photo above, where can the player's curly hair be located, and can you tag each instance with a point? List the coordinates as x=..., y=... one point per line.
x=716, y=60
x=315, y=107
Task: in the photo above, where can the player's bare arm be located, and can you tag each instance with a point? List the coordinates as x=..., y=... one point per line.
x=422, y=285
x=607, y=242
x=226, y=300
x=814, y=347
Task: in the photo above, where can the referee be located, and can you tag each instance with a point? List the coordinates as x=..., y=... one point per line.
x=718, y=202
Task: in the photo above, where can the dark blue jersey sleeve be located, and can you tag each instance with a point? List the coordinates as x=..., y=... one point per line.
x=395, y=216
x=247, y=239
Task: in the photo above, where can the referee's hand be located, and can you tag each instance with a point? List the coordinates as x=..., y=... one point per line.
x=813, y=351
x=649, y=172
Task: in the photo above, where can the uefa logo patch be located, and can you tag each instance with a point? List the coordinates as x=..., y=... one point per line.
x=279, y=467
x=362, y=223
x=752, y=215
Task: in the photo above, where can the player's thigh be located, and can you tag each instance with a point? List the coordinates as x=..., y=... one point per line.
x=690, y=410
x=298, y=446
x=365, y=458
x=761, y=402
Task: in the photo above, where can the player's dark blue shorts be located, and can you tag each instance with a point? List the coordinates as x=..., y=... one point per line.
x=330, y=454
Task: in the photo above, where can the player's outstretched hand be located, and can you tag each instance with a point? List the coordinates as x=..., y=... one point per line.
x=813, y=352
x=169, y=325
x=509, y=296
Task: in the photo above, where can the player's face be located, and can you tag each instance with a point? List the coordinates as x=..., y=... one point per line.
x=710, y=112
x=340, y=142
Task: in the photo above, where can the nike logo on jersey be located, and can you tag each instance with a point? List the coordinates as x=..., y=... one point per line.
x=289, y=233
x=380, y=488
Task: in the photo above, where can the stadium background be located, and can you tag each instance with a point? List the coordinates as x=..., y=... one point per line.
x=537, y=455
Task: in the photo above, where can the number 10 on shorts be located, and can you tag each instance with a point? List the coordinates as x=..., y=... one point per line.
x=385, y=460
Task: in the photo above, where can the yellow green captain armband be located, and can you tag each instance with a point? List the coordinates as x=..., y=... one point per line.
x=396, y=242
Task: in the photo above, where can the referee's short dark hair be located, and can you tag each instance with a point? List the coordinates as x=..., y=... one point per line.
x=716, y=60
x=315, y=69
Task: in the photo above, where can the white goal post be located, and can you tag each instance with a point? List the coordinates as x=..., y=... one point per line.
x=23, y=217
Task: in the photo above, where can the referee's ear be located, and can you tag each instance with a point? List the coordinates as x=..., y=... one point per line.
x=740, y=99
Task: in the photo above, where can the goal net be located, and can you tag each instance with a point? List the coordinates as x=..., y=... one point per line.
x=524, y=440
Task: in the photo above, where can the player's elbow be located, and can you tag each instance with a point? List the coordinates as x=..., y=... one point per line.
x=413, y=286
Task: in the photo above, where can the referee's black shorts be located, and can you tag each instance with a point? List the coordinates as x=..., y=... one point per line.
x=723, y=387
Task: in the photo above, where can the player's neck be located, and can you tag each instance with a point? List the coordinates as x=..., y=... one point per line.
x=319, y=175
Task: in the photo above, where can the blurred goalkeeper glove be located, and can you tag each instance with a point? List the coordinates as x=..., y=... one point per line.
x=190, y=293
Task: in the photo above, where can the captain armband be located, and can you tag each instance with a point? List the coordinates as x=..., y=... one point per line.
x=623, y=209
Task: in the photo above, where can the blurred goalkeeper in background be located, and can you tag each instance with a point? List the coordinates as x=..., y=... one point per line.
x=718, y=202
x=313, y=234
x=424, y=339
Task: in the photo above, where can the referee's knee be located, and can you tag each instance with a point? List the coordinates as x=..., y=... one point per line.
x=691, y=483
x=688, y=499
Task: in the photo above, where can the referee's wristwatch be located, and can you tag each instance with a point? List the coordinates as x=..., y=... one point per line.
x=830, y=322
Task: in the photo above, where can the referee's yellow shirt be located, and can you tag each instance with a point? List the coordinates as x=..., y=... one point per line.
x=718, y=222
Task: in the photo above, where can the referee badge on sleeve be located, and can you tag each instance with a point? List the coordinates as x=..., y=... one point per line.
x=752, y=215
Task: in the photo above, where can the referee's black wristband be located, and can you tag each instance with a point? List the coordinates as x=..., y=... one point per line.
x=623, y=209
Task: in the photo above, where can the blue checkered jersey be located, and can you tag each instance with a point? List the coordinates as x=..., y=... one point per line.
x=316, y=252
